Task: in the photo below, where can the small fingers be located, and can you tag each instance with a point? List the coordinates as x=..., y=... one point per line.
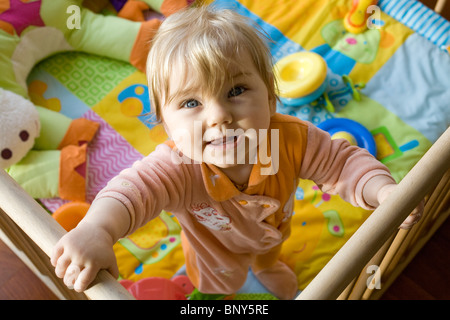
x=71, y=275
x=61, y=266
x=86, y=276
x=74, y=276
x=411, y=220
x=419, y=209
x=57, y=252
x=414, y=217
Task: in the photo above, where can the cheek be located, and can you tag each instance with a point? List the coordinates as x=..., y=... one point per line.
x=260, y=118
x=187, y=137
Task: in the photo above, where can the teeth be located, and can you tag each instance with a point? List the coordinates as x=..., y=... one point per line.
x=223, y=140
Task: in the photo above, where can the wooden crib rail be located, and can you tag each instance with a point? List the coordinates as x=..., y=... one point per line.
x=45, y=232
x=382, y=223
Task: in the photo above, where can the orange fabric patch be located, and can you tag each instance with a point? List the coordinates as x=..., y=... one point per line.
x=72, y=185
x=141, y=47
x=80, y=131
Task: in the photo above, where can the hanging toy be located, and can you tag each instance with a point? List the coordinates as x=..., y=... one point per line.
x=354, y=132
x=302, y=79
x=355, y=21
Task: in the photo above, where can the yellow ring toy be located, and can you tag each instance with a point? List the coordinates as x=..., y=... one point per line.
x=345, y=135
x=300, y=74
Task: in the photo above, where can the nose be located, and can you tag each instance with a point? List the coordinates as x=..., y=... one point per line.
x=218, y=114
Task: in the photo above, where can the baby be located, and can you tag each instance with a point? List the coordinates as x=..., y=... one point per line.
x=230, y=168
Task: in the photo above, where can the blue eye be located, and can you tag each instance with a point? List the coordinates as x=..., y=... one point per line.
x=234, y=92
x=191, y=104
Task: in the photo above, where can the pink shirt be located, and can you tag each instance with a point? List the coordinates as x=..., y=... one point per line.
x=225, y=229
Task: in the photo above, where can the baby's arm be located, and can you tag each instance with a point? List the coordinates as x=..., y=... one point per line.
x=81, y=253
x=352, y=172
x=131, y=199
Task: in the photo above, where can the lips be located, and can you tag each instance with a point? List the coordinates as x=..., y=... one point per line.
x=223, y=140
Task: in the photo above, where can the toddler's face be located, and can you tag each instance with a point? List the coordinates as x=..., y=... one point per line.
x=221, y=128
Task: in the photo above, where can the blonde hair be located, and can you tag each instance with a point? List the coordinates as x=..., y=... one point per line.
x=206, y=42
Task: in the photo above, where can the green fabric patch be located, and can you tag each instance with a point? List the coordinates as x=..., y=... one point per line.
x=38, y=173
x=88, y=77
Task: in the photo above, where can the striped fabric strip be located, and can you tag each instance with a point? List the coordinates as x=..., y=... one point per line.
x=419, y=18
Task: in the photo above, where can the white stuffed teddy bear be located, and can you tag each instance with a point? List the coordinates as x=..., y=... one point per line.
x=19, y=127
x=43, y=150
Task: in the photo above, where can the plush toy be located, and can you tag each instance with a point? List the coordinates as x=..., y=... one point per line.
x=17, y=133
x=135, y=9
x=33, y=30
x=44, y=150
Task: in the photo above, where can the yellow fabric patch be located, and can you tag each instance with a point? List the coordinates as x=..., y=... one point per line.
x=122, y=114
x=153, y=250
x=321, y=224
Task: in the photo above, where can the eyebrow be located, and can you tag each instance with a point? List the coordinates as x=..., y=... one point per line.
x=187, y=92
x=241, y=74
x=180, y=94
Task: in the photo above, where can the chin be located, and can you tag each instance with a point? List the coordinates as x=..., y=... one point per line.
x=225, y=165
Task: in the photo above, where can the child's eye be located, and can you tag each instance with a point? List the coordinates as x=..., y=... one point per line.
x=234, y=92
x=191, y=103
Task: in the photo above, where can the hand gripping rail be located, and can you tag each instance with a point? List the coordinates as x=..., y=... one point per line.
x=348, y=262
x=45, y=232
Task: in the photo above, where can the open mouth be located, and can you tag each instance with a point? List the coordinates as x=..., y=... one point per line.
x=224, y=142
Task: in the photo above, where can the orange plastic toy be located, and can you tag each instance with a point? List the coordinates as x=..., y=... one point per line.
x=70, y=214
x=155, y=288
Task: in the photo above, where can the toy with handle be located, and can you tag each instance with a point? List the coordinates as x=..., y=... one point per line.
x=302, y=79
x=45, y=232
x=367, y=240
x=355, y=21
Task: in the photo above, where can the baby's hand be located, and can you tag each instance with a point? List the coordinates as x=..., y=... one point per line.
x=413, y=217
x=80, y=254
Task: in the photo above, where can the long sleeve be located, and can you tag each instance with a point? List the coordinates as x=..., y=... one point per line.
x=339, y=168
x=149, y=186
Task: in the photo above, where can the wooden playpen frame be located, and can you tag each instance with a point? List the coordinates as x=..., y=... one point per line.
x=30, y=231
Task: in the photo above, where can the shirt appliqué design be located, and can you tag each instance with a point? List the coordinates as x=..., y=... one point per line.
x=210, y=217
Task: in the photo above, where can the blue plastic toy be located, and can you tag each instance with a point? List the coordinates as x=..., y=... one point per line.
x=351, y=130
